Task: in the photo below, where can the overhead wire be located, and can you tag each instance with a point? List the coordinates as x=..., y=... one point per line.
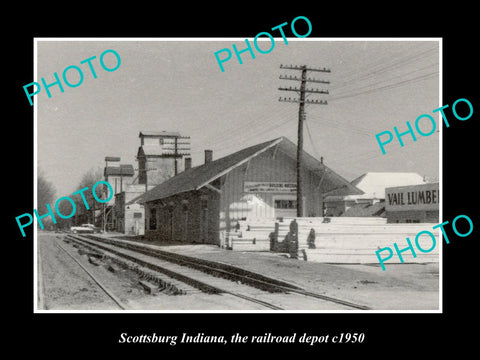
x=314, y=147
x=392, y=65
x=400, y=54
x=392, y=78
x=248, y=130
x=386, y=87
x=241, y=139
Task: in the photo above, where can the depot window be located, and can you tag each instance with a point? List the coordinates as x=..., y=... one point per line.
x=285, y=204
x=153, y=219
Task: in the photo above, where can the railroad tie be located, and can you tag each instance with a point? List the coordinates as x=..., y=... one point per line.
x=149, y=288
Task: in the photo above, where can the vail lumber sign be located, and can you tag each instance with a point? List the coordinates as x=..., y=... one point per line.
x=414, y=197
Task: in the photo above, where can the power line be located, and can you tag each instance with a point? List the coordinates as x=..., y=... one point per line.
x=382, y=68
x=267, y=118
x=389, y=79
x=311, y=141
x=402, y=54
x=387, y=87
x=240, y=141
x=247, y=130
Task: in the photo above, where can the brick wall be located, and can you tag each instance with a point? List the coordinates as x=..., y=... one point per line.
x=183, y=218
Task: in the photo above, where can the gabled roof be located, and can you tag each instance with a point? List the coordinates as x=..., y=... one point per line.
x=122, y=170
x=158, y=133
x=199, y=176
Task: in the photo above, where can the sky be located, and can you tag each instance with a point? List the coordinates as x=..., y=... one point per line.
x=177, y=85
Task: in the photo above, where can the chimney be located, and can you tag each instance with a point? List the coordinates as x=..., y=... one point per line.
x=321, y=159
x=188, y=163
x=208, y=156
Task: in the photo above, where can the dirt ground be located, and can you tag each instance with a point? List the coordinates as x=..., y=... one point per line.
x=66, y=286
x=405, y=287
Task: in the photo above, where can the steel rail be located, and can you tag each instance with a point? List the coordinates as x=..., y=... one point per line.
x=278, y=285
x=227, y=271
x=108, y=292
x=204, y=287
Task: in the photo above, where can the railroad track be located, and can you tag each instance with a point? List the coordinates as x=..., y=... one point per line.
x=213, y=268
x=112, y=296
x=206, y=276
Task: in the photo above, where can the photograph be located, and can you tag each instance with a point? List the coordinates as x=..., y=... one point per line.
x=219, y=180
x=302, y=176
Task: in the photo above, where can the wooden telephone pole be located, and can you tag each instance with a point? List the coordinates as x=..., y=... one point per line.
x=301, y=114
x=178, y=152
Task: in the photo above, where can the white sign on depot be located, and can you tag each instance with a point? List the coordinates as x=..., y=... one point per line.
x=268, y=186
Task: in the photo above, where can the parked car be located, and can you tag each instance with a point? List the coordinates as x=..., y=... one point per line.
x=84, y=228
x=95, y=228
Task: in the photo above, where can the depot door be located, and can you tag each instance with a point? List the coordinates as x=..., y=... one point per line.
x=203, y=219
x=286, y=206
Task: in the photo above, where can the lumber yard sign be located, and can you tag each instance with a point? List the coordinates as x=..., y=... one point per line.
x=415, y=197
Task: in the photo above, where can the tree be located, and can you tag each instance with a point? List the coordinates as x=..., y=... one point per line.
x=45, y=191
x=89, y=179
x=45, y=195
x=65, y=208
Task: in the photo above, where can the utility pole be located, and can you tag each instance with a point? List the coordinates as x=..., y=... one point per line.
x=108, y=159
x=176, y=154
x=301, y=114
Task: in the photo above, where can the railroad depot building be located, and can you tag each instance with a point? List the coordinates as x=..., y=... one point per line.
x=413, y=204
x=203, y=203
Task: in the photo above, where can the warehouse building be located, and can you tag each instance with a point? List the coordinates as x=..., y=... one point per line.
x=160, y=155
x=202, y=204
x=120, y=177
x=129, y=216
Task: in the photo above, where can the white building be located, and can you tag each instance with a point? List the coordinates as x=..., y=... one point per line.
x=373, y=184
